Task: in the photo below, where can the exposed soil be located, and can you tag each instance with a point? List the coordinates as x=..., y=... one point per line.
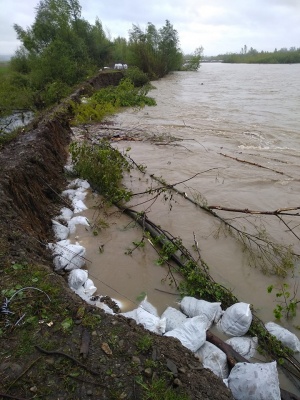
x=63, y=348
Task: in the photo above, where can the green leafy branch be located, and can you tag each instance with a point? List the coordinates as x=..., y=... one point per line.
x=287, y=301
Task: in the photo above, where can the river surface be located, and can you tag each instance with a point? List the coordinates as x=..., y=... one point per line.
x=237, y=127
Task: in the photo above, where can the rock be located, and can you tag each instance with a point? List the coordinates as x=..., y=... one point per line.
x=10, y=369
x=136, y=360
x=177, y=382
x=105, y=347
x=172, y=367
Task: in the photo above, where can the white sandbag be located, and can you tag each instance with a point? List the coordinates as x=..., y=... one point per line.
x=65, y=214
x=104, y=307
x=69, y=193
x=82, y=293
x=69, y=168
x=214, y=359
x=236, y=320
x=78, y=205
x=192, y=334
x=148, y=320
x=130, y=314
x=174, y=318
x=288, y=338
x=79, y=183
x=193, y=307
x=79, y=220
x=254, y=381
x=89, y=287
x=148, y=307
x=245, y=346
x=77, y=277
x=76, y=196
x=55, y=247
x=86, y=291
x=68, y=256
x=61, y=231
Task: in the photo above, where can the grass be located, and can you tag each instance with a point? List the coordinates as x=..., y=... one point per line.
x=158, y=389
x=144, y=343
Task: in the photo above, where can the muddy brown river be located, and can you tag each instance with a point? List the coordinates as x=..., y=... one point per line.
x=237, y=127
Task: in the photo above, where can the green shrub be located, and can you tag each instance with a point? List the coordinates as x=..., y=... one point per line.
x=137, y=77
x=91, y=111
x=107, y=101
x=124, y=95
x=103, y=167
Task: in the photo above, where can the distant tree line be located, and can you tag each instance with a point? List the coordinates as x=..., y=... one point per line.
x=252, y=56
x=61, y=49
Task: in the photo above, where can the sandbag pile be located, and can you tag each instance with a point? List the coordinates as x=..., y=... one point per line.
x=70, y=257
x=189, y=325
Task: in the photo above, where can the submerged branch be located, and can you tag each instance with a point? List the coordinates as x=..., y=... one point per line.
x=281, y=211
x=255, y=164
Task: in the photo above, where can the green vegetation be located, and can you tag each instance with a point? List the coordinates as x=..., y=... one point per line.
x=158, y=389
x=124, y=95
x=287, y=302
x=103, y=167
x=252, y=56
x=155, y=52
x=144, y=343
x=192, y=62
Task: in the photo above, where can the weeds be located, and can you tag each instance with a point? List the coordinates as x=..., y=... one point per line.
x=144, y=343
x=159, y=389
x=108, y=100
x=103, y=167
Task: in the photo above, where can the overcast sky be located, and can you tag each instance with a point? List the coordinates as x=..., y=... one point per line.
x=220, y=26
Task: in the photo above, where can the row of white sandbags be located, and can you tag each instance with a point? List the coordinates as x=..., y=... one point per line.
x=71, y=257
x=66, y=255
x=246, y=381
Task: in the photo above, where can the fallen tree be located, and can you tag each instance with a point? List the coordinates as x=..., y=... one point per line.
x=199, y=282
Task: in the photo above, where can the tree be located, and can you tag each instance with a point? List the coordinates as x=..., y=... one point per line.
x=60, y=49
x=120, y=50
x=169, y=47
x=193, y=61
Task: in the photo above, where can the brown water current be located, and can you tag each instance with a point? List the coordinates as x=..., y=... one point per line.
x=237, y=127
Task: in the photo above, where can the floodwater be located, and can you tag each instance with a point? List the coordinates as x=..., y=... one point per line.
x=237, y=127
x=230, y=135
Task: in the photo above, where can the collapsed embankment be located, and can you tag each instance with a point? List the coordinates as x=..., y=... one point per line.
x=63, y=348
x=32, y=175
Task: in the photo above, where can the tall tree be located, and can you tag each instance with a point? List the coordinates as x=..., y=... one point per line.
x=155, y=52
x=169, y=47
x=60, y=47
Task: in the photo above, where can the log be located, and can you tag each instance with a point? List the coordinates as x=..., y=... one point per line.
x=233, y=358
